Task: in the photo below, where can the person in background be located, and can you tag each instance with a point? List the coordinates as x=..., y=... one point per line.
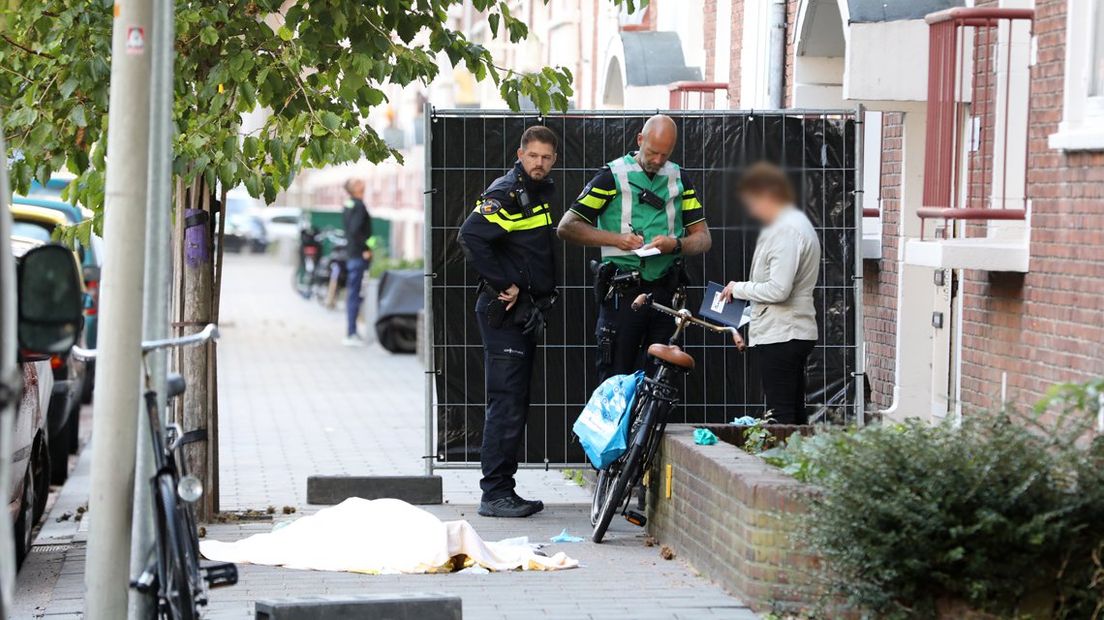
x=358, y=233
x=784, y=269
x=507, y=240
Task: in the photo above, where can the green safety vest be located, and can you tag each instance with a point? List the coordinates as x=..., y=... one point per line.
x=626, y=214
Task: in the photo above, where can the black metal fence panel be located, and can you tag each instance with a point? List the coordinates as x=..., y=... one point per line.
x=469, y=149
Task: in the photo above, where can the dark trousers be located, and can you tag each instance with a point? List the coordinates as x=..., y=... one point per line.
x=508, y=364
x=356, y=267
x=624, y=334
x=782, y=368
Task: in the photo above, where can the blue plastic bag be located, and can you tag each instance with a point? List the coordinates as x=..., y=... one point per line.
x=603, y=426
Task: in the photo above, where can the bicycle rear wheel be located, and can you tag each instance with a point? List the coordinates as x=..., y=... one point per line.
x=178, y=567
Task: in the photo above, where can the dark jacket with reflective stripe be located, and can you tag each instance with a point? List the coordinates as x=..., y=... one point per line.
x=504, y=244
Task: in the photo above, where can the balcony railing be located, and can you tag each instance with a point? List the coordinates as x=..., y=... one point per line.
x=705, y=94
x=971, y=52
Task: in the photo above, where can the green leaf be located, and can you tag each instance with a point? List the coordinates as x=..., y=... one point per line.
x=331, y=121
x=77, y=116
x=249, y=147
x=209, y=36
x=284, y=33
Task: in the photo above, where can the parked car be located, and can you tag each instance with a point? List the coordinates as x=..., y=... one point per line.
x=63, y=415
x=282, y=223
x=48, y=295
x=91, y=257
x=245, y=230
x=29, y=483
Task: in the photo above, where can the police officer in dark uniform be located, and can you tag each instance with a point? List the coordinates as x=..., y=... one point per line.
x=641, y=201
x=508, y=240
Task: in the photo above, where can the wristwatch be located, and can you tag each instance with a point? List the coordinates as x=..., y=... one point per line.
x=678, y=246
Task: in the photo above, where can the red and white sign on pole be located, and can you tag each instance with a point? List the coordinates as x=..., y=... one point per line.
x=136, y=40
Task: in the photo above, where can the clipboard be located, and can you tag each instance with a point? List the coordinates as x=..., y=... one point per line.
x=716, y=310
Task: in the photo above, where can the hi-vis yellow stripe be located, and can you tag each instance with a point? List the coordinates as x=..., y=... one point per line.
x=689, y=204
x=592, y=201
x=602, y=192
x=525, y=223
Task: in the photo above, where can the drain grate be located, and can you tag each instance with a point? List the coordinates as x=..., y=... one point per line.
x=51, y=548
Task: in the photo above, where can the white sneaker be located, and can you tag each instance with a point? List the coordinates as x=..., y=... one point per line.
x=353, y=341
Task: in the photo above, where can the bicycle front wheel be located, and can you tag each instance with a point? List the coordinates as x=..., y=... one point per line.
x=178, y=567
x=601, y=490
x=619, y=486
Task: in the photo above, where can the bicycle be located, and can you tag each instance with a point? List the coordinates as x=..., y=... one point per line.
x=656, y=397
x=174, y=573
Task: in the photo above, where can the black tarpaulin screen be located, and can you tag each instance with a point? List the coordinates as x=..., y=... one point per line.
x=469, y=149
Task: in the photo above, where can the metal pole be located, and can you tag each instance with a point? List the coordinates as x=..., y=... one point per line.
x=860, y=340
x=427, y=312
x=777, y=62
x=8, y=372
x=158, y=273
x=118, y=390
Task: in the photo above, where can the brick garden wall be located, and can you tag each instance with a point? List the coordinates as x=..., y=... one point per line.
x=731, y=516
x=1045, y=326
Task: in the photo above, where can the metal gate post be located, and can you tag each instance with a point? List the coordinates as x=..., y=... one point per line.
x=860, y=341
x=427, y=312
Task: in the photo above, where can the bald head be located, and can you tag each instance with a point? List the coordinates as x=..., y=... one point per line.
x=656, y=141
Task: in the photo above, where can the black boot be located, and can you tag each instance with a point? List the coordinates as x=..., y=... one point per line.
x=510, y=506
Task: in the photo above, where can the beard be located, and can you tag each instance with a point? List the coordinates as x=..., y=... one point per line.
x=537, y=173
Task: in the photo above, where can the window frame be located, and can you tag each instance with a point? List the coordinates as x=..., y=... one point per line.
x=1082, y=125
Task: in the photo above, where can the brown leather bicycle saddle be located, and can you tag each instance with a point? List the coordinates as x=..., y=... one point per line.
x=672, y=355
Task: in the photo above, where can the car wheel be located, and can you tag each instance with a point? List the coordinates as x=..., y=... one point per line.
x=59, y=456
x=41, y=464
x=73, y=430
x=24, y=524
x=89, y=383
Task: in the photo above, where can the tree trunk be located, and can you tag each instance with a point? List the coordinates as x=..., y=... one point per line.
x=195, y=307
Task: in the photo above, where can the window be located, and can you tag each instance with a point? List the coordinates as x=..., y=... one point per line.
x=1082, y=126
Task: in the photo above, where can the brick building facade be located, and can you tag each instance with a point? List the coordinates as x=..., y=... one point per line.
x=1009, y=334
x=1045, y=326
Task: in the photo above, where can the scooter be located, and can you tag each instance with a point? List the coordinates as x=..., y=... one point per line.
x=310, y=251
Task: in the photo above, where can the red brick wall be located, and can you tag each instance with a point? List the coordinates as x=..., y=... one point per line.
x=1045, y=326
x=709, y=39
x=880, y=276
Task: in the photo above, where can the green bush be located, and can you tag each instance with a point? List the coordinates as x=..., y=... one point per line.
x=1004, y=514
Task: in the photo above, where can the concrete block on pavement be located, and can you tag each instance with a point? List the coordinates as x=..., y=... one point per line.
x=330, y=490
x=412, y=606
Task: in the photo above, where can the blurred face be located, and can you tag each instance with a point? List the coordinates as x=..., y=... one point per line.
x=356, y=188
x=537, y=159
x=655, y=149
x=762, y=206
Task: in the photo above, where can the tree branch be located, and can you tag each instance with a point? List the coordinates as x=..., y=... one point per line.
x=24, y=48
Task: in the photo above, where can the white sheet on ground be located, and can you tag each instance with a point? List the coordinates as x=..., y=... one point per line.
x=378, y=536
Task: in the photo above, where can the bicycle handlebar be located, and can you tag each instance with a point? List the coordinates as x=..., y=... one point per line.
x=209, y=333
x=684, y=316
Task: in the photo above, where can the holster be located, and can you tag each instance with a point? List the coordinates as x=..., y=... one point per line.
x=602, y=278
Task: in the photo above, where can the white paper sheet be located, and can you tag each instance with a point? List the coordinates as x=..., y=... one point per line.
x=647, y=252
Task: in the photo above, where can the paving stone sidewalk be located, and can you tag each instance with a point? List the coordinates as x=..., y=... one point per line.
x=293, y=403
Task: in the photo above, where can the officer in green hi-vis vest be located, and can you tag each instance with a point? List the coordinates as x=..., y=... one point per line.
x=643, y=212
